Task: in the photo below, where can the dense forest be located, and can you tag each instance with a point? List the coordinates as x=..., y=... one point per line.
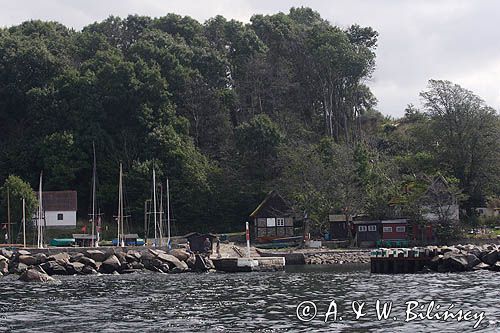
x=228, y=111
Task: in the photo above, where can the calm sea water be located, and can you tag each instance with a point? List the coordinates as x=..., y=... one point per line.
x=243, y=302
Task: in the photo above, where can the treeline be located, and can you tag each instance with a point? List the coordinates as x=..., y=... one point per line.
x=228, y=111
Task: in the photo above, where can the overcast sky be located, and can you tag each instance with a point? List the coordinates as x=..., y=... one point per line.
x=456, y=40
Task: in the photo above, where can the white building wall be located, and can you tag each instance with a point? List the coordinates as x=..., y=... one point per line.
x=68, y=218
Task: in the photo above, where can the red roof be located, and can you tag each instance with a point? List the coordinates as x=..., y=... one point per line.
x=59, y=200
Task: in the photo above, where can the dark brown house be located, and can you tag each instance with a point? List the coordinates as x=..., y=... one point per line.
x=273, y=218
x=197, y=242
x=367, y=233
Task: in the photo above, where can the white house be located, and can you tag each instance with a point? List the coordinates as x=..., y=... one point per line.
x=60, y=208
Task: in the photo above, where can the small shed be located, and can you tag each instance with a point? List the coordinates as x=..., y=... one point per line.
x=273, y=218
x=338, y=226
x=197, y=242
x=367, y=233
x=84, y=240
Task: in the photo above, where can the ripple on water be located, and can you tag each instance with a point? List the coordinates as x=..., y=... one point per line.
x=236, y=302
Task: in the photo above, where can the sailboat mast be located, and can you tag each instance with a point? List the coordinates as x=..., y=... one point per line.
x=120, y=208
x=24, y=222
x=8, y=216
x=161, y=215
x=93, y=196
x=168, y=215
x=154, y=206
x=40, y=214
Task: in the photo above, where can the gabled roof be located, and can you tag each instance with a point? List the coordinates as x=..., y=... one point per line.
x=273, y=203
x=59, y=200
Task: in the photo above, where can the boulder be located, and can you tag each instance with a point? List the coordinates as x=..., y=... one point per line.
x=180, y=254
x=96, y=255
x=110, y=265
x=76, y=257
x=137, y=265
x=74, y=268
x=495, y=267
x=481, y=266
x=61, y=258
x=21, y=268
x=6, y=253
x=171, y=260
x=455, y=262
x=53, y=268
x=191, y=261
x=88, y=262
x=490, y=258
x=130, y=258
x=33, y=275
x=121, y=257
x=472, y=261
x=27, y=260
x=40, y=258
x=200, y=264
x=23, y=253
x=4, y=267
x=164, y=268
x=135, y=254
x=88, y=270
x=2, y=258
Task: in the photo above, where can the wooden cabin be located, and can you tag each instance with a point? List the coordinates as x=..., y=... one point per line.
x=196, y=242
x=394, y=232
x=273, y=218
x=338, y=227
x=367, y=233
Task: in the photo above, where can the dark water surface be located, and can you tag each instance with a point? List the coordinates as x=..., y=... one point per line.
x=243, y=302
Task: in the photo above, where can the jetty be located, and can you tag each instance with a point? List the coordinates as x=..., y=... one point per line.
x=442, y=259
x=399, y=260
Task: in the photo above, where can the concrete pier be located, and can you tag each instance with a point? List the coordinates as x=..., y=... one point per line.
x=255, y=264
x=399, y=261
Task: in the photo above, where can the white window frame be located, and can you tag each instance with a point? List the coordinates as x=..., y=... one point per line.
x=270, y=222
x=362, y=228
x=280, y=222
x=387, y=229
x=401, y=229
x=372, y=228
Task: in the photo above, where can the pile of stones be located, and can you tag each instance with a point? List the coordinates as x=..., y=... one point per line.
x=330, y=258
x=461, y=258
x=40, y=266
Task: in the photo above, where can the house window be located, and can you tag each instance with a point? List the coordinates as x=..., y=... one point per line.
x=280, y=222
x=271, y=222
x=400, y=229
x=362, y=228
x=60, y=217
x=372, y=228
x=387, y=229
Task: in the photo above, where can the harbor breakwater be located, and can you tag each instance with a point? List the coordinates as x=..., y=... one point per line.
x=40, y=266
x=441, y=259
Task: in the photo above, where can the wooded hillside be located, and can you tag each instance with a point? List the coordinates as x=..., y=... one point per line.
x=228, y=111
